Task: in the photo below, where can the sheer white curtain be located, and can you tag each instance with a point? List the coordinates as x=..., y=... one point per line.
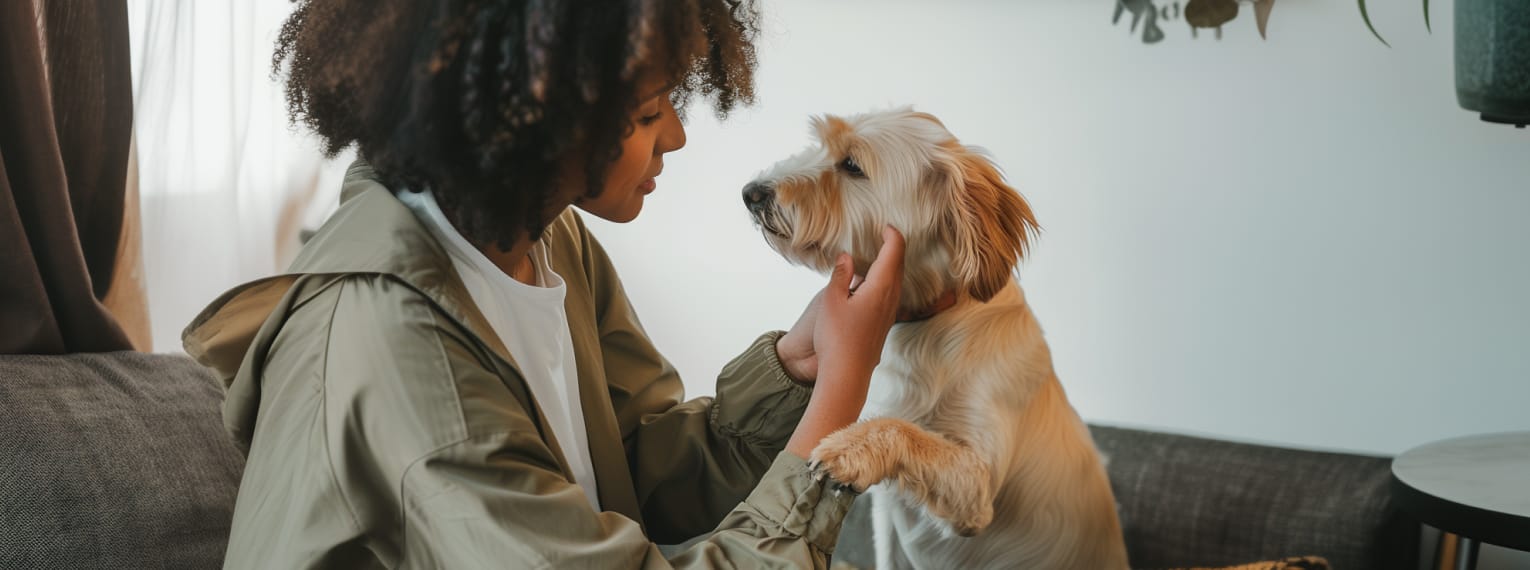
x=226, y=182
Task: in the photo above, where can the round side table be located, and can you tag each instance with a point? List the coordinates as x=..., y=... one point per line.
x=1475, y=487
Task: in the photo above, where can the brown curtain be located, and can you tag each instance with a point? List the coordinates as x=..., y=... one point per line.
x=66, y=116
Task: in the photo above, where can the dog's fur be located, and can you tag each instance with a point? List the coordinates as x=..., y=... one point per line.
x=985, y=462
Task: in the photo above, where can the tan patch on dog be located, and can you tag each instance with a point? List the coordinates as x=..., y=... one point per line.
x=835, y=133
x=840, y=141
x=991, y=225
x=818, y=208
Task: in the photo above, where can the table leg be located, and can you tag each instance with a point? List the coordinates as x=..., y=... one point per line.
x=1466, y=553
x=1444, y=552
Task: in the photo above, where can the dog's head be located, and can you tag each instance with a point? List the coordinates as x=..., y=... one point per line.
x=965, y=227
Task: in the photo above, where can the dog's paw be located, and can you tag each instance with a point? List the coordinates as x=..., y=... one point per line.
x=859, y=455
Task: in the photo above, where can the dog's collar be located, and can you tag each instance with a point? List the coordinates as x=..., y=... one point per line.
x=941, y=303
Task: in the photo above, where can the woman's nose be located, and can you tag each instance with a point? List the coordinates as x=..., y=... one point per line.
x=673, y=136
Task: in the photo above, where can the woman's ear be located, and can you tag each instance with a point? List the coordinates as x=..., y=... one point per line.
x=991, y=225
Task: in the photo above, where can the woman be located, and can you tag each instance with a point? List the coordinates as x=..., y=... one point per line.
x=450, y=375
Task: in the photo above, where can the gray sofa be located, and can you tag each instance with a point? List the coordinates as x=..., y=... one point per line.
x=120, y=460
x=113, y=460
x=1194, y=502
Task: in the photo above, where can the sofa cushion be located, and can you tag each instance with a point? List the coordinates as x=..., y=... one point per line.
x=1188, y=501
x=113, y=460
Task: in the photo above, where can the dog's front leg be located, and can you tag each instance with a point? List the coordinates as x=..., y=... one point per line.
x=949, y=478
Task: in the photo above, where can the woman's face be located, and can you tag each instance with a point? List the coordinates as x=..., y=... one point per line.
x=656, y=130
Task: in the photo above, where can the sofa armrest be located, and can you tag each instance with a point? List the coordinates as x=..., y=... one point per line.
x=113, y=460
x=1189, y=501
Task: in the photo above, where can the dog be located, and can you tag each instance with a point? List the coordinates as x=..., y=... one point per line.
x=973, y=455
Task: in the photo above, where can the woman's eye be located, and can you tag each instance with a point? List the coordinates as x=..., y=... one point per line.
x=849, y=165
x=650, y=119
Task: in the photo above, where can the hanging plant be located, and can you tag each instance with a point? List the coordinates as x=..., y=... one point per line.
x=1199, y=14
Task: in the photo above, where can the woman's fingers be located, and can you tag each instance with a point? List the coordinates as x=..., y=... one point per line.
x=886, y=271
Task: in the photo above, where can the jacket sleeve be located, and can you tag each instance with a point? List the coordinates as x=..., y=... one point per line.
x=480, y=504
x=426, y=441
x=692, y=461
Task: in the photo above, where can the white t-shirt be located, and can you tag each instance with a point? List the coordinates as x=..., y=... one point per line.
x=533, y=326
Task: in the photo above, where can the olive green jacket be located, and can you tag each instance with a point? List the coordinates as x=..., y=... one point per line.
x=386, y=426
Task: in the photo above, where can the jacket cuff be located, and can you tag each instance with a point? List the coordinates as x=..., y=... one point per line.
x=802, y=503
x=756, y=400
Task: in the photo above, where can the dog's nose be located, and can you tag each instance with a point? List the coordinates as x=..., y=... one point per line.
x=758, y=196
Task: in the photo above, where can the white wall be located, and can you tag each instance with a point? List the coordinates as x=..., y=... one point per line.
x=1300, y=241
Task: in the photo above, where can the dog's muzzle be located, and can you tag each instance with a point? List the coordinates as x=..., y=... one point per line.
x=759, y=197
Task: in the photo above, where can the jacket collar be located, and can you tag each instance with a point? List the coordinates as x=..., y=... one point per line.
x=385, y=238
x=374, y=233
x=371, y=233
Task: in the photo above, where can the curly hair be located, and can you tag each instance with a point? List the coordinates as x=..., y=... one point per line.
x=479, y=100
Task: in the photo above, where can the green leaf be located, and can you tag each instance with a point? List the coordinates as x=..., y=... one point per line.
x=1367, y=17
x=1426, y=17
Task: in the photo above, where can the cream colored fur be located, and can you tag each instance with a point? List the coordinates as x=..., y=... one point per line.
x=968, y=443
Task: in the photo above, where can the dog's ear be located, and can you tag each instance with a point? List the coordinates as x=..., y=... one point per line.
x=991, y=225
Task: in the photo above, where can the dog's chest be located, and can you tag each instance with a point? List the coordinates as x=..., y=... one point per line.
x=895, y=391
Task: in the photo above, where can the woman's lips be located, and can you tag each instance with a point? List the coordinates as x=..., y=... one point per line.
x=648, y=186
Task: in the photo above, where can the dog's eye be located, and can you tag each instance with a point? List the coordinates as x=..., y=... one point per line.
x=849, y=165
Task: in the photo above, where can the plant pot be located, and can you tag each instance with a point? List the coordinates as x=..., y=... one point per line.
x=1493, y=59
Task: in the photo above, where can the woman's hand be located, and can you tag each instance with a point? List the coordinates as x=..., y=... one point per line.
x=795, y=348
x=848, y=335
x=848, y=331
